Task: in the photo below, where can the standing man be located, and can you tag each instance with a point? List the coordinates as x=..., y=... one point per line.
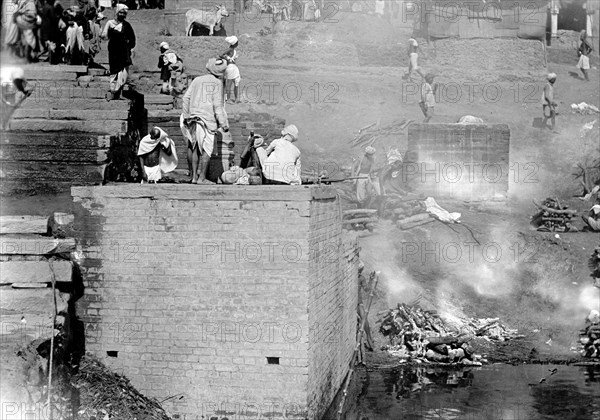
x=171, y=68
x=121, y=40
x=366, y=188
x=413, y=59
x=584, y=51
x=232, y=73
x=22, y=28
x=427, y=102
x=157, y=155
x=203, y=113
x=548, y=101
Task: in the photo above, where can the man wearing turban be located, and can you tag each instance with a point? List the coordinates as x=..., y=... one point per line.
x=121, y=40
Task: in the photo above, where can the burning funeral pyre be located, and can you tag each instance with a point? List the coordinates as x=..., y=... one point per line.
x=417, y=334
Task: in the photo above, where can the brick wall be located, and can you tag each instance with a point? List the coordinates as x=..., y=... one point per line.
x=469, y=162
x=332, y=304
x=195, y=287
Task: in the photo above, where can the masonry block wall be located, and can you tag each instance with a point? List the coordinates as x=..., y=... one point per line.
x=220, y=295
x=469, y=162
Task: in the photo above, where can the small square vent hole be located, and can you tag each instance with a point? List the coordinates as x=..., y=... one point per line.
x=112, y=353
x=272, y=360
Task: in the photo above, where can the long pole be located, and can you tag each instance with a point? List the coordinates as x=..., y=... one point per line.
x=52, y=340
x=357, y=347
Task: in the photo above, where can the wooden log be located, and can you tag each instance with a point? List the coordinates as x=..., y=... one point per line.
x=417, y=218
x=406, y=226
x=361, y=220
x=34, y=271
x=23, y=224
x=555, y=211
x=359, y=211
x=29, y=285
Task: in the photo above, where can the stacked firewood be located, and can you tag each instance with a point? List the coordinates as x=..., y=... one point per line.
x=418, y=334
x=408, y=212
x=553, y=216
x=360, y=219
x=590, y=336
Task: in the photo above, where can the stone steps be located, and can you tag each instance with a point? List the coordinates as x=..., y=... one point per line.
x=112, y=126
x=58, y=139
x=64, y=89
x=52, y=154
x=69, y=114
x=98, y=104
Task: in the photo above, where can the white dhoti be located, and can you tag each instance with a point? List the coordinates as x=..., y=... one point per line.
x=117, y=81
x=366, y=188
x=75, y=37
x=414, y=61
x=197, y=134
x=584, y=63
x=232, y=72
x=153, y=173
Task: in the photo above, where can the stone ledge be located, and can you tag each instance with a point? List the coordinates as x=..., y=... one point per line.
x=207, y=192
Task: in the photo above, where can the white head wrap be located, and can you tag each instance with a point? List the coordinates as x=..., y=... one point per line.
x=231, y=40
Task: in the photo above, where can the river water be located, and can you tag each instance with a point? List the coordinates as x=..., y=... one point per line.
x=492, y=392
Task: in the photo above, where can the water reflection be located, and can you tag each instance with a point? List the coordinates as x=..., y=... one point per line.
x=495, y=392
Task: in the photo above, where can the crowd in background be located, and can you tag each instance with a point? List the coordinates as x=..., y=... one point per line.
x=43, y=30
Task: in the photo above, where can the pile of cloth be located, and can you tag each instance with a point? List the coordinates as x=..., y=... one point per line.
x=584, y=108
x=416, y=334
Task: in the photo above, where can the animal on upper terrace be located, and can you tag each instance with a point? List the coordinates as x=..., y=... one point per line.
x=208, y=19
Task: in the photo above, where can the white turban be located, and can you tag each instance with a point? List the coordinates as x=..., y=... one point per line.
x=164, y=45
x=369, y=150
x=551, y=76
x=231, y=40
x=292, y=130
x=413, y=42
x=121, y=6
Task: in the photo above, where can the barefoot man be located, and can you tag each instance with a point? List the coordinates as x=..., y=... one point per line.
x=157, y=155
x=203, y=113
x=548, y=101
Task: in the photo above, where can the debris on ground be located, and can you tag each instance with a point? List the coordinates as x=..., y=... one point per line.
x=369, y=134
x=553, y=217
x=590, y=336
x=360, y=219
x=104, y=394
x=416, y=334
x=588, y=174
x=584, y=108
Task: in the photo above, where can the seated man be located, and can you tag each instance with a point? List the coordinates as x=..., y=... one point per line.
x=283, y=165
x=254, y=155
x=157, y=155
x=14, y=92
x=592, y=220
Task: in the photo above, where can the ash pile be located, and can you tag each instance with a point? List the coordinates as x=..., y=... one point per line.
x=423, y=336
